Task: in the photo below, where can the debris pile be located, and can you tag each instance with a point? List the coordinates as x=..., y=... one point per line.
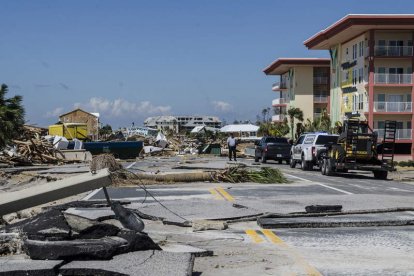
x=31, y=148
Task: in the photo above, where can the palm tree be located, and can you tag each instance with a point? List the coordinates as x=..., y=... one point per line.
x=11, y=116
x=294, y=113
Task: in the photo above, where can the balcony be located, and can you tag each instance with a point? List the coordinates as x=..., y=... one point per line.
x=393, y=51
x=278, y=118
x=400, y=134
x=320, y=80
x=393, y=78
x=393, y=106
x=320, y=99
x=279, y=86
x=280, y=101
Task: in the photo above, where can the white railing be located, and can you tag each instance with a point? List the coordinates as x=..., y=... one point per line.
x=320, y=99
x=320, y=80
x=278, y=118
x=279, y=85
x=280, y=101
x=393, y=51
x=393, y=106
x=399, y=134
x=393, y=78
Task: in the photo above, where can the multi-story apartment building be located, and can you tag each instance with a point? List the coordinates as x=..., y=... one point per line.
x=304, y=83
x=180, y=123
x=372, y=71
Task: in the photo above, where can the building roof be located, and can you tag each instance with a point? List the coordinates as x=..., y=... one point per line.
x=197, y=129
x=282, y=65
x=78, y=109
x=354, y=24
x=239, y=128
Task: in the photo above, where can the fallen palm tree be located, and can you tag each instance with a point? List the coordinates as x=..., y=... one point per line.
x=229, y=175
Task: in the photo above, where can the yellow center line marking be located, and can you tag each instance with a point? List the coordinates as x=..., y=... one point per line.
x=310, y=270
x=254, y=236
x=216, y=194
x=225, y=194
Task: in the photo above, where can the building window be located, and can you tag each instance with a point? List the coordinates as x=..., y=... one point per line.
x=361, y=48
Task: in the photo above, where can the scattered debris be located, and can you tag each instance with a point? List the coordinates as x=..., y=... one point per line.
x=237, y=175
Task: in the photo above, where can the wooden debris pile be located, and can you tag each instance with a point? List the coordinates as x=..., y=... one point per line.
x=31, y=148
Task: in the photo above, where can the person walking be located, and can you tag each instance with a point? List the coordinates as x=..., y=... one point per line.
x=231, y=143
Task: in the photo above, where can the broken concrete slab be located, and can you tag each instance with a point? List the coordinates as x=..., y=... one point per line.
x=194, y=209
x=44, y=193
x=97, y=214
x=24, y=267
x=50, y=225
x=184, y=248
x=10, y=243
x=140, y=263
x=82, y=249
x=337, y=220
x=202, y=225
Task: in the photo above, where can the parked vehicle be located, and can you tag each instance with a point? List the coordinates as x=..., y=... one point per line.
x=272, y=148
x=356, y=149
x=309, y=149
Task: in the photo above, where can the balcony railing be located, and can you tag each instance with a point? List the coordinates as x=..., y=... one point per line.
x=279, y=85
x=393, y=106
x=393, y=51
x=278, y=118
x=280, y=101
x=393, y=78
x=320, y=80
x=320, y=99
x=399, y=134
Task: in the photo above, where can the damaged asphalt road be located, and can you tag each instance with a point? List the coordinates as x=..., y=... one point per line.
x=213, y=227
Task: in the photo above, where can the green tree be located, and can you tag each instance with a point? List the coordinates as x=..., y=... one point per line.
x=105, y=130
x=11, y=116
x=294, y=113
x=273, y=129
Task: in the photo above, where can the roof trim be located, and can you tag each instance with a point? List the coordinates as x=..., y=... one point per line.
x=358, y=19
x=77, y=109
x=296, y=61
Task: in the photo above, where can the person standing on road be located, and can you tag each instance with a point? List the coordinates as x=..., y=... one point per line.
x=231, y=143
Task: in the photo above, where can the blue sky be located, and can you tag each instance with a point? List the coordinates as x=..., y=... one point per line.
x=133, y=59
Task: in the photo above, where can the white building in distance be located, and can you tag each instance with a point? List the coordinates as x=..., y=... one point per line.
x=179, y=123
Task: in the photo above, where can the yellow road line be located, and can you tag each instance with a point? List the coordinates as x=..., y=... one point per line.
x=226, y=195
x=216, y=194
x=310, y=270
x=273, y=238
x=254, y=236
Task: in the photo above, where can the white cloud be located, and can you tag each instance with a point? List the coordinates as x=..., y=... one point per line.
x=222, y=106
x=122, y=108
x=54, y=113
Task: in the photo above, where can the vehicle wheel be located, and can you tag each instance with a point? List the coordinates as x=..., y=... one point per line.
x=292, y=163
x=380, y=174
x=256, y=159
x=287, y=162
x=280, y=161
x=264, y=159
x=329, y=167
x=323, y=167
x=304, y=164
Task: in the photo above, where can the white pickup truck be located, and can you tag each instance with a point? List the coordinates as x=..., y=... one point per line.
x=308, y=149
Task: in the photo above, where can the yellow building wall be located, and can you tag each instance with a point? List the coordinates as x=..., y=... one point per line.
x=303, y=90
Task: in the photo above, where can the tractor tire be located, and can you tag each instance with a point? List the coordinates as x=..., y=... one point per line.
x=292, y=162
x=323, y=166
x=381, y=175
x=329, y=168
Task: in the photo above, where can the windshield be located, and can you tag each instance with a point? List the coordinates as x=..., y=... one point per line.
x=276, y=140
x=325, y=139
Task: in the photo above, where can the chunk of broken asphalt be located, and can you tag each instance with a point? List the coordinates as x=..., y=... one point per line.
x=50, y=225
x=137, y=241
x=129, y=219
x=98, y=249
x=323, y=208
x=98, y=214
x=202, y=225
x=140, y=263
x=20, y=267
